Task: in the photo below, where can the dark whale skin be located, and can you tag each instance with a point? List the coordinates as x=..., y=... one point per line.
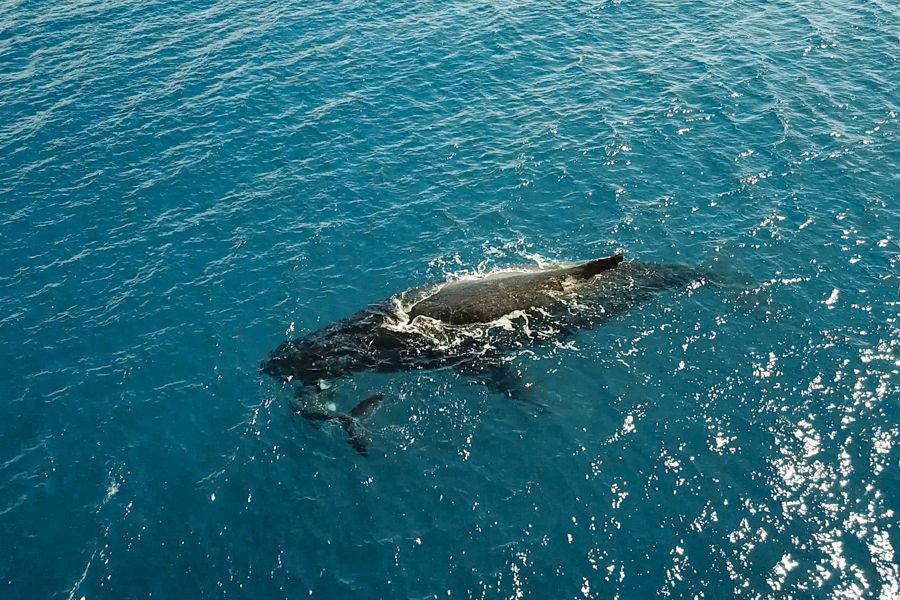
x=487, y=299
x=384, y=338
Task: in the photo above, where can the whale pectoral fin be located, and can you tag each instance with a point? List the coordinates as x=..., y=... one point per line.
x=354, y=422
x=501, y=377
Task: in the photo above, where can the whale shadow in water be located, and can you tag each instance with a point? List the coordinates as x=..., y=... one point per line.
x=472, y=325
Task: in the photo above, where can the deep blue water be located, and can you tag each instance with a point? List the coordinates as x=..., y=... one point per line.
x=185, y=184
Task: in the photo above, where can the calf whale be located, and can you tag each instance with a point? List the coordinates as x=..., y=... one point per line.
x=471, y=325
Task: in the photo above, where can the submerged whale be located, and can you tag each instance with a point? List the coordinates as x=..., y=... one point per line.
x=471, y=325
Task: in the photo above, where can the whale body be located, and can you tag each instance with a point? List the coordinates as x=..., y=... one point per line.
x=469, y=325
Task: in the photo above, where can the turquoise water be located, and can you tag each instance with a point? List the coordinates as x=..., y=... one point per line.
x=183, y=185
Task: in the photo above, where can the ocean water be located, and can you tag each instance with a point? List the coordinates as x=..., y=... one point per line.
x=184, y=185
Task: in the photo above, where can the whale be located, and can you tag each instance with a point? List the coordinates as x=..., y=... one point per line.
x=473, y=325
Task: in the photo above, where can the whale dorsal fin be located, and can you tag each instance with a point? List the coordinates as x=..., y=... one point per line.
x=591, y=268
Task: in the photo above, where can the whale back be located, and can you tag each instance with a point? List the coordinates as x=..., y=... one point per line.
x=487, y=299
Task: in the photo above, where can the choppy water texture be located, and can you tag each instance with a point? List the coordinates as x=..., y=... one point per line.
x=184, y=184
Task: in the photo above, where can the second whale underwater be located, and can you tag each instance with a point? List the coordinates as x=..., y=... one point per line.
x=470, y=325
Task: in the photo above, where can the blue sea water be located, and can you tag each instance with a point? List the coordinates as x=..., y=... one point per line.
x=183, y=185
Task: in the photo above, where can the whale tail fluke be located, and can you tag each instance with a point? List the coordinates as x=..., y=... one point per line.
x=308, y=404
x=354, y=422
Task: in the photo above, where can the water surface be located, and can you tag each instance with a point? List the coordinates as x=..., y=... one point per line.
x=183, y=185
